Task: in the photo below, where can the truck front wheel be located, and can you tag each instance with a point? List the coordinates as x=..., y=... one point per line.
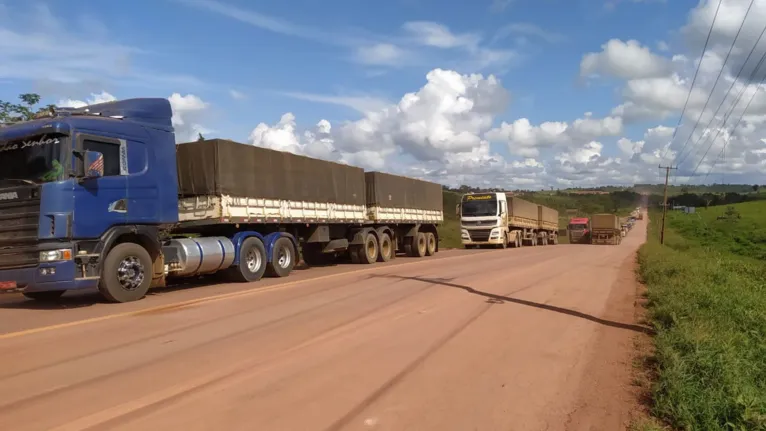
x=126, y=274
x=282, y=258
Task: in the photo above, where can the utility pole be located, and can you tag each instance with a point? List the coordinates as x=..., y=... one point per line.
x=665, y=201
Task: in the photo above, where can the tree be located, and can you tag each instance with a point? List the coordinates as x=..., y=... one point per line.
x=200, y=137
x=756, y=187
x=15, y=112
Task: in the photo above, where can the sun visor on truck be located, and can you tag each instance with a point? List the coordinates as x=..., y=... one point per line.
x=393, y=191
x=222, y=167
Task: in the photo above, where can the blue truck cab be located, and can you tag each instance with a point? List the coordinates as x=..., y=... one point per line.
x=78, y=185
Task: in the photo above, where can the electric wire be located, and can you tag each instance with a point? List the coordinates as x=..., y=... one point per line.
x=704, y=49
x=715, y=84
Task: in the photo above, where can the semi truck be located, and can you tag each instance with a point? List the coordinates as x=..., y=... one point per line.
x=605, y=229
x=103, y=197
x=579, y=230
x=501, y=220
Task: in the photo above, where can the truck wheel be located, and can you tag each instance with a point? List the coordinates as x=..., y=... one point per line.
x=252, y=262
x=386, y=248
x=505, y=241
x=282, y=258
x=430, y=244
x=126, y=274
x=47, y=296
x=419, y=245
x=369, y=251
x=543, y=240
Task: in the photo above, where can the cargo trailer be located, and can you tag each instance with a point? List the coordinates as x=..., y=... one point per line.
x=500, y=219
x=605, y=229
x=133, y=210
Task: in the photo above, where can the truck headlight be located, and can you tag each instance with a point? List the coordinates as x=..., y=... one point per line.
x=56, y=255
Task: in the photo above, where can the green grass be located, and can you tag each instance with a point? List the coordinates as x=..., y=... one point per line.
x=707, y=300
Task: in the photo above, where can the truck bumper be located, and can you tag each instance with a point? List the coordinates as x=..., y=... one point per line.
x=44, y=277
x=494, y=238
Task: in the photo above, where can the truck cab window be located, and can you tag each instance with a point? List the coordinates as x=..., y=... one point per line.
x=111, y=152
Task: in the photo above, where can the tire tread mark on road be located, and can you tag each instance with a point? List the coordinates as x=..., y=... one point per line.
x=56, y=391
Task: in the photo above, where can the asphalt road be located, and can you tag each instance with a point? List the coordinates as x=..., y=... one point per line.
x=530, y=339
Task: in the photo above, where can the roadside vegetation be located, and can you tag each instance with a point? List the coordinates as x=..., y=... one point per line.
x=707, y=302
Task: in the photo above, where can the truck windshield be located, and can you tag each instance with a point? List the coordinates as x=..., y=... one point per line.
x=577, y=226
x=36, y=159
x=479, y=208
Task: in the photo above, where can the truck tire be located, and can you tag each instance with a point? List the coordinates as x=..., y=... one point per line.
x=282, y=258
x=126, y=274
x=430, y=244
x=386, y=248
x=47, y=296
x=504, y=245
x=252, y=262
x=542, y=240
x=419, y=245
x=369, y=251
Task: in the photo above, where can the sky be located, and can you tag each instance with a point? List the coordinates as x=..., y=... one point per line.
x=516, y=94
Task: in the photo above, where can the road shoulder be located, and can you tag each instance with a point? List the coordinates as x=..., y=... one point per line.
x=607, y=398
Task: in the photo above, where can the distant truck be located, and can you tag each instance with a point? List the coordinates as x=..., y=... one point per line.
x=102, y=197
x=502, y=220
x=606, y=229
x=579, y=230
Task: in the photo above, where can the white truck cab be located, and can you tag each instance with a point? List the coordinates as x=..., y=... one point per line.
x=483, y=219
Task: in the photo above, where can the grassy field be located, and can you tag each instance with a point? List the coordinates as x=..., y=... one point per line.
x=707, y=301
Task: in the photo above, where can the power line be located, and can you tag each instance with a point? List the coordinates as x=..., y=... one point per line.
x=704, y=49
x=757, y=88
x=712, y=90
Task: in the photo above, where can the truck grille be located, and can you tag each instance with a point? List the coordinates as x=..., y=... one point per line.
x=479, y=234
x=19, y=218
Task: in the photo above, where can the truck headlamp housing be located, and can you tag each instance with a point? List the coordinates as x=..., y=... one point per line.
x=56, y=255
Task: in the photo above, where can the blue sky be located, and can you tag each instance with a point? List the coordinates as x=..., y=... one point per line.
x=250, y=62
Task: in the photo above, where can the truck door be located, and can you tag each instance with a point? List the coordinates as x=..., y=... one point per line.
x=101, y=203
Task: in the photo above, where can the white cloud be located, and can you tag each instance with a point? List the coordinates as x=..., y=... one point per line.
x=188, y=112
x=525, y=140
x=527, y=29
x=36, y=45
x=381, y=54
x=627, y=60
x=237, y=95
x=439, y=126
x=94, y=99
x=362, y=104
x=373, y=49
x=439, y=36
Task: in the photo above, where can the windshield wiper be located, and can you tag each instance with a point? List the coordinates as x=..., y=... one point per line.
x=30, y=182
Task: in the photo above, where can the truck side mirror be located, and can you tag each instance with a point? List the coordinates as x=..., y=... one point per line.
x=457, y=210
x=92, y=164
